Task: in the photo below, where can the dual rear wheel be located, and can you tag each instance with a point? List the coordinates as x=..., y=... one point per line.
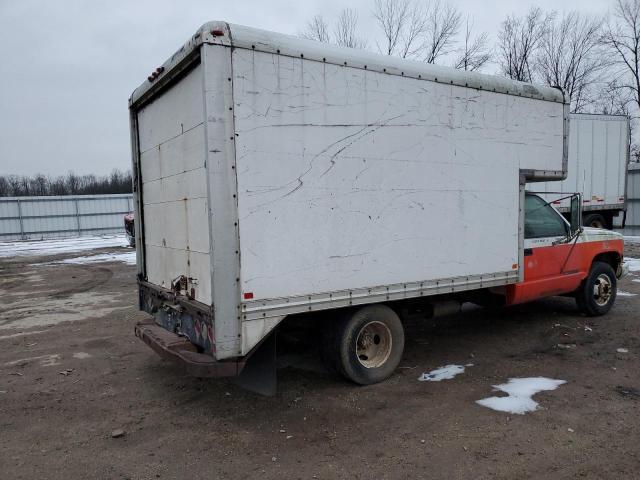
x=364, y=345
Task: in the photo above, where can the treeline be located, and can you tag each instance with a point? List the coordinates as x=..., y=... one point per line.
x=69, y=184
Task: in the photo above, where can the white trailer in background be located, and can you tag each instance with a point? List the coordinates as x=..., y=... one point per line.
x=597, y=168
x=277, y=176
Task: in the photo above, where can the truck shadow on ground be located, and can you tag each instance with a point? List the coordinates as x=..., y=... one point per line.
x=551, y=326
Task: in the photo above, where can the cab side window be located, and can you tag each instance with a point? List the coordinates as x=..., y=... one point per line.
x=541, y=220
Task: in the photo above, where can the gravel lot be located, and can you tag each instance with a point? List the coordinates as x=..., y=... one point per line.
x=72, y=374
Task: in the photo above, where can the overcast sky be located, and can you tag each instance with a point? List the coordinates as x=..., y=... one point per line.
x=67, y=67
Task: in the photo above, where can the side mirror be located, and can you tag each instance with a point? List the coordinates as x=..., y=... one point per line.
x=576, y=214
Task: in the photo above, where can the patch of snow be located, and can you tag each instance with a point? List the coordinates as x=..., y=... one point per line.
x=520, y=391
x=81, y=355
x=127, y=257
x=631, y=239
x=633, y=263
x=443, y=373
x=58, y=246
x=622, y=350
x=622, y=293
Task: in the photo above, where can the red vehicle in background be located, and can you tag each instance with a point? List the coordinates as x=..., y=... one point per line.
x=129, y=229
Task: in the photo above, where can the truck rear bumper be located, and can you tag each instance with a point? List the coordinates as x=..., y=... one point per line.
x=181, y=351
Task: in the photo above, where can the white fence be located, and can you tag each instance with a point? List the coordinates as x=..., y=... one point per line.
x=31, y=218
x=632, y=226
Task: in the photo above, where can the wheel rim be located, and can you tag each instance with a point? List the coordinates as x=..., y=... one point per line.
x=602, y=289
x=373, y=345
x=597, y=224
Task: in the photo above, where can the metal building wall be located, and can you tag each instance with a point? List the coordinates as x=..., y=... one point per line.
x=33, y=218
x=632, y=226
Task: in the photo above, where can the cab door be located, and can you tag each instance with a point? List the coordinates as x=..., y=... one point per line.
x=546, y=255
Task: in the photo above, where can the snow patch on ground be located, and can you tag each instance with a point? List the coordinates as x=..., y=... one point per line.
x=443, y=373
x=58, y=246
x=127, y=257
x=633, y=263
x=520, y=391
x=622, y=293
x=631, y=239
x=81, y=355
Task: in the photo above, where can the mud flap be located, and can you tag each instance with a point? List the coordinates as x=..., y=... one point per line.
x=259, y=373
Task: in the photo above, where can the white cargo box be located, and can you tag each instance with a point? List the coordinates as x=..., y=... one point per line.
x=279, y=175
x=597, y=166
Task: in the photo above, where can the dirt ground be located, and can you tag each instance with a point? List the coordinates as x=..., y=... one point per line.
x=72, y=372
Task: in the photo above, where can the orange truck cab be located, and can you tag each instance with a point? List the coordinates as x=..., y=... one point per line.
x=585, y=263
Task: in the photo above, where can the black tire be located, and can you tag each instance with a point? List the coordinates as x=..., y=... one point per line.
x=595, y=220
x=374, y=330
x=603, y=277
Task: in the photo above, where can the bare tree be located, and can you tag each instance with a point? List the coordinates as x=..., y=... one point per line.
x=345, y=30
x=570, y=56
x=443, y=24
x=518, y=42
x=39, y=185
x=475, y=52
x=613, y=98
x=4, y=187
x=317, y=29
x=622, y=37
x=425, y=31
x=403, y=23
x=72, y=183
x=414, y=32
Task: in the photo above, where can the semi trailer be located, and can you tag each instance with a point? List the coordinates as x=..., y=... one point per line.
x=597, y=168
x=278, y=178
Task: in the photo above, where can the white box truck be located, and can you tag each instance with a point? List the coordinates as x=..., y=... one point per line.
x=277, y=177
x=597, y=168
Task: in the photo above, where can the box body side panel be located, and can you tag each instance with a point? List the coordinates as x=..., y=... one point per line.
x=351, y=179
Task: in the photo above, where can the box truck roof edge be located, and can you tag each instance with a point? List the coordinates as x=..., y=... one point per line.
x=238, y=36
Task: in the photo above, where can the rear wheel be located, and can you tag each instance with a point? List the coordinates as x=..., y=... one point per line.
x=365, y=345
x=595, y=220
x=597, y=293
